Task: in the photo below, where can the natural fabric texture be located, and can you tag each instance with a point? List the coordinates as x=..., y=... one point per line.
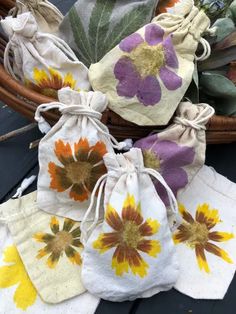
x=18, y=295
x=43, y=62
x=93, y=27
x=205, y=240
x=178, y=152
x=47, y=16
x=49, y=247
x=71, y=153
x=131, y=252
x=147, y=74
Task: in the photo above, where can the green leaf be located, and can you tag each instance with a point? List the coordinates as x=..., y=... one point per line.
x=99, y=24
x=226, y=107
x=83, y=47
x=130, y=21
x=227, y=42
x=225, y=26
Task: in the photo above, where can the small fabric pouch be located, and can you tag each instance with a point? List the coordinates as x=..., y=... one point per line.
x=205, y=240
x=132, y=252
x=93, y=27
x=147, y=74
x=49, y=247
x=18, y=295
x=47, y=15
x=71, y=153
x=41, y=61
x=178, y=152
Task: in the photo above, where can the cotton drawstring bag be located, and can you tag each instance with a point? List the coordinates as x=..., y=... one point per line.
x=18, y=294
x=71, y=153
x=205, y=240
x=132, y=252
x=93, y=27
x=43, y=62
x=147, y=74
x=49, y=247
x=178, y=152
x=47, y=15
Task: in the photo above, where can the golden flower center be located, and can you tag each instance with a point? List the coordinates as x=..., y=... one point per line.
x=50, y=92
x=61, y=241
x=131, y=235
x=197, y=234
x=79, y=171
x=151, y=160
x=148, y=59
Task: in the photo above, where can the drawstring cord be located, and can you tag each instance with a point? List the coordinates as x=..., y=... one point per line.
x=206, y=50
x=200, y=121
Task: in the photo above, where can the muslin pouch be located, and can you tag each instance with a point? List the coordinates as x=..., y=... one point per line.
x=147, y=74
x=93, y=27
x=43, y=62
x=178, y=152
x=18, y=294
x=47, y=15
x=49, y=247
x=71, y=153
x=132, y=252
x=205, y=240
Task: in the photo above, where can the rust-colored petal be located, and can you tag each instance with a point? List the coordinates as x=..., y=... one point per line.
x=113, y=219
x=79, y=193
x=82, y=149
x=120, y=261
x=53, y=259
x=131, y=214
x=136, y=263
x=99, y=148
x=201, y=258
x=96, y=173
x=210, y=217
x=59, y=180
x=106, y=241
x=151, y=247
x=185, y=214
x=63, y=152
x=180, y=236
x=212, y=248
x=73, y=255
x=218, y=236
x=149, y=227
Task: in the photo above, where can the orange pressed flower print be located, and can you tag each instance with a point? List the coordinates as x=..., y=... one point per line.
x=164, y=5
x=80, y=170
x=129, y=238
x=59, y=242
x=198, y=234
x=48, y=83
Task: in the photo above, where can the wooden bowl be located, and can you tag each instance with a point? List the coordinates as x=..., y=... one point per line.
x=220, y=129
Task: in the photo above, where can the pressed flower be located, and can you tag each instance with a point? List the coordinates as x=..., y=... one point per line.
x=168, y=158
x=59, y=242
x=198, y=234
x=80, y=171
x=48, y=83
x=15, y=274
x=144, y=60
x=164, y=5
x=129, y=238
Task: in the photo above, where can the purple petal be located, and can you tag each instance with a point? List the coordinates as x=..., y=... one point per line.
x=129, y=79
x=146, y=142
x=149, y=92
x=170, y=55
x=153, y=34
x=130, y=42
x=171, y=80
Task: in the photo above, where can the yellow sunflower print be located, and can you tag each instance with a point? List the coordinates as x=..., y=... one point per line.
x=129, y=238
x=197, y=234
x=49, y=82
x=61, y=241
x=15, y=274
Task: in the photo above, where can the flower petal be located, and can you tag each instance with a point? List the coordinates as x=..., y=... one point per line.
x=54, y=225
x=153, y=34
x=136, y=263
x=73, y=255
x=170, y=55
x=25, y=294
x=43, y=237
x=97, y=152
x=180, y=236
x=59, y=180
x=53, y=259
x=151, y=247
x=106, y=241
x=185, y=214
x=43, y=252
x=63, y=152
x=131, y=212
x=68, y=224
x=131, y=42
x=149, y=227
x=212, y=248
x=79, y=193
x=119, y=261
x=218, y=236
x=81, y=149
x=201, y=258
x=76, y=232
x=170, y=79
x=56, y=80
x=149, y=91
x=210, y=217
x=112, y=218
x=129, y=78
x=77, y=243
x=96, y=173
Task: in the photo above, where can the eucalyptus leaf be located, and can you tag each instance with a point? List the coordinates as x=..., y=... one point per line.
x=227, y=42
x=224, y=27
x=232, y=11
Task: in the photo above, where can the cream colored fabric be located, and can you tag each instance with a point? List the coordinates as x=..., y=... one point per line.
x=147, y=74
x=45, y=244
x=43, y=62
x=205, y=241
x=48, y=17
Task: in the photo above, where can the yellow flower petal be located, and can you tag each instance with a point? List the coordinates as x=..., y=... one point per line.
x=40, y=75
x=120, y=267
x=154, y=225
x=208, y=216
x=25, y=295
x=201, y=258
x=219, y=236
x=212, y=248
x=129, y=201
x=69, y=80
x=39, y=236
x=54, y=224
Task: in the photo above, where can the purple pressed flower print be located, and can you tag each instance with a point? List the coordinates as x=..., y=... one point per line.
x=168, y=158
x=145, y=60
